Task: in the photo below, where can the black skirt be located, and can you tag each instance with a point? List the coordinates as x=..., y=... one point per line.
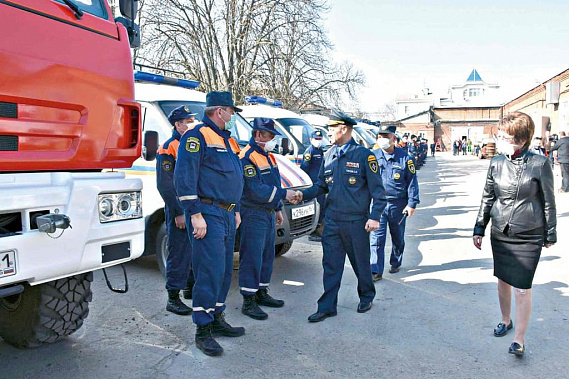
x=516, y=257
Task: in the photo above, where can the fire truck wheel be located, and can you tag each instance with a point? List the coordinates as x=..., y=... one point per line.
x=282, y=248
x=47, y=312
x=162, y=248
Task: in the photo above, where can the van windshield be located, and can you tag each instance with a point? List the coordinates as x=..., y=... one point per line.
x=365, y=135
x=168, y=106
x=301, y=130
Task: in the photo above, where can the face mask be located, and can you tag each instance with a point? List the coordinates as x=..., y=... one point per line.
x=505, y=148
x=316, y=143
x=231, y=123
x=270, y=145
x=383, y=143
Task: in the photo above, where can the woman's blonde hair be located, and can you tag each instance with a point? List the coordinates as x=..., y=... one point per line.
x=520, y=126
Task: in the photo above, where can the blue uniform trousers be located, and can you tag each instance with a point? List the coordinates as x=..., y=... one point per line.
x=321, y=200
x=392, y=215
x=212, y=260
x=338, y=239
x=257, y=249
x=178, y=263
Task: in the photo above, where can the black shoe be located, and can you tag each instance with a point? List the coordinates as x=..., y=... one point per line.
x=363, y=306
x=393, y=269
x=321, y=316
x=188, y=291
x=221, y=327
x=501, y=329
x=263, y=298
x=175, y=305
x=206, y=343
x=377, y=277
x=251, y=309
x=517, y=349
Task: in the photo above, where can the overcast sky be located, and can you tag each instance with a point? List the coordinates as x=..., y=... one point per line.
x=404, y=45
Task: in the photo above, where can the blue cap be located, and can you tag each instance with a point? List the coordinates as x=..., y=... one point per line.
x=220, y=99
x=317, y=134
x=180, y=113
x=385, y=129
x=266, y=124
x=340, y=118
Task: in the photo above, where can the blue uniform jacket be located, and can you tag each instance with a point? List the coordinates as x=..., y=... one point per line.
x=351, y=182
x=398, y=174
x=165, y=165
x=262, y=179
x=311, y=162
x=208, y=166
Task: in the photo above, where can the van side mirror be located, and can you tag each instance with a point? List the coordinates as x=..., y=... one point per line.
x=285, y=147
x=150, y=145
x=129, y=8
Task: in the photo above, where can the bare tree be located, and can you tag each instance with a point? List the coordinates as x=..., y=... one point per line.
x=275, y=48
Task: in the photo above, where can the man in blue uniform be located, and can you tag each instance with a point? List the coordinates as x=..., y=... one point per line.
x=397, y=170
x=311, y=162
x=178, y=272
x=209, y=184
x=350, y=176
x=261, y=210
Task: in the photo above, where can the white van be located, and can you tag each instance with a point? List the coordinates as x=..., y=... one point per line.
x=360, y=132
x=157, y=101
x=290, y=124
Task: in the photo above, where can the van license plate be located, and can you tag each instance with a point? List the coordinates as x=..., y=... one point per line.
x=7, y=263
x=302, y=211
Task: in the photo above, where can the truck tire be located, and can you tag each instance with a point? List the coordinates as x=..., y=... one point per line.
x=282, y=248
x=162, y=248
x=47, y=312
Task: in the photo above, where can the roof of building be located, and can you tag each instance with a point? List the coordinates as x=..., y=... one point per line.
x=474, y=77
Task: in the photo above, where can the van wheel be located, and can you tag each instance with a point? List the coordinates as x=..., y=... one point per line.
x=282, y=248
x=47, y=312
x=162, y=248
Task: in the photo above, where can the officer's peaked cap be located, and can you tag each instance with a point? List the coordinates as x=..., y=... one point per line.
x=180, y=113
x=266, y=124
x=338, y=117
x=220, y=99
x=385, y=129
x=317, y=134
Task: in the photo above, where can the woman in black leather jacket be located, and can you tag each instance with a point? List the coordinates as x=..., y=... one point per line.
x=520, y=200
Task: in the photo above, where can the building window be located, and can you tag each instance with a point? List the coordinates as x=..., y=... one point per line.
x=472, y=92
x=406, y=109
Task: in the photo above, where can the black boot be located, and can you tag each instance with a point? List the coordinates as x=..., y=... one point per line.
x=205, y=342
x=251, y=309
x=188, y=291
x=175, y=305
x=221, y=327
x=263, y=298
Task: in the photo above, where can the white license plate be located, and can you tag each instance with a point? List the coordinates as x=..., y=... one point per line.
x=7, y=263
x=302, y=211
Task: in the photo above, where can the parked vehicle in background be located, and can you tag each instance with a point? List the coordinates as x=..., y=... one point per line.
x=68, y=111
x=157, y=101
x=359, y=133
x=295, y=128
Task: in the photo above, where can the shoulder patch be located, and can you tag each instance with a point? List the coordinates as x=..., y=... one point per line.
x=411, y=166
x=372, y=162
x=250, y=170
x=307, y=157
x=167, y=166
x=193, y=144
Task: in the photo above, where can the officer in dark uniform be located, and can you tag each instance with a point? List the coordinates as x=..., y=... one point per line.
x=178, y=272
x=350, y=176
x=261, y=210
x=397, y=170
x=209, y=184
x=311, y=162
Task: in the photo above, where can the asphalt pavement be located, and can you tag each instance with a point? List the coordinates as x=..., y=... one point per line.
x=433, y=319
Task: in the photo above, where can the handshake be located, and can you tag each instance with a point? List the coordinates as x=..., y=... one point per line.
x=294, y=197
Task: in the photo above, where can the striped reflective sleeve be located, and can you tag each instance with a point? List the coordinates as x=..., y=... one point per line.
x=189, y=197
x=273, y=194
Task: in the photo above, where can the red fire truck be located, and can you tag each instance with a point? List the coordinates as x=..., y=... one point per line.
x=67, y=112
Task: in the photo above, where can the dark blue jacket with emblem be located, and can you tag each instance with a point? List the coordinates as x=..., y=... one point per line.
x=311, y=162
x=208, y=166
x=398, y=174
x=262, y=179
x=165, y=165
x=351, y=180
